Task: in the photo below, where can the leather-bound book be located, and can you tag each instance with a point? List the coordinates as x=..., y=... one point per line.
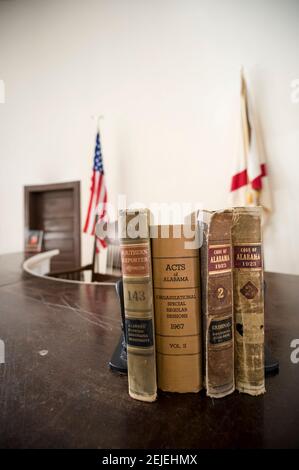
x=248, y=300
x=177, y=310
x=138, y=301
x=217, y=302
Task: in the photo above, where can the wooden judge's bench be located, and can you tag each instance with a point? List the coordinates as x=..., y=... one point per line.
x=56, y=390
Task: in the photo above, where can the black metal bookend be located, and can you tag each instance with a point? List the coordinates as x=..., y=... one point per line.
x=118, y=361
x=271, y=364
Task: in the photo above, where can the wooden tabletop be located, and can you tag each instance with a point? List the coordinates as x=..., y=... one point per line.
x=56, y=390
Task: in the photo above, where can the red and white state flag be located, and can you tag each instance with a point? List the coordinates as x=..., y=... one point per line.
x=250, y=182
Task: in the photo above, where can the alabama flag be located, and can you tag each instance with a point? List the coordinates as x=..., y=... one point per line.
x=250, y=182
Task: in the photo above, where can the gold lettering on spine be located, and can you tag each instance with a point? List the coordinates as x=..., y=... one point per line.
x=248, y=300
x=177, y=315
x=216, y=263
x=138, y=301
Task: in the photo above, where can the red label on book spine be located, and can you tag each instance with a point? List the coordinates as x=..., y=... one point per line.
x=219, y=258
x=248, y=256
x=135, y=260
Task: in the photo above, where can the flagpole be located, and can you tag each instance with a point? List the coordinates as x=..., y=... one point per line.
x=246, y=129
x=98, y=118
x=98, y=193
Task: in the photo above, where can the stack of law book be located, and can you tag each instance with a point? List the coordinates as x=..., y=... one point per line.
x=194, y=303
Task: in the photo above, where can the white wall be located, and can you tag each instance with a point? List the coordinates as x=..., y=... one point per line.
x=165, y=75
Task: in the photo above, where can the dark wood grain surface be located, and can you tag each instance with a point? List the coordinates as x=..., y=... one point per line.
x=69, y=398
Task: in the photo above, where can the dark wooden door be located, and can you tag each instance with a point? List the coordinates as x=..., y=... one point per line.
x=55, y=209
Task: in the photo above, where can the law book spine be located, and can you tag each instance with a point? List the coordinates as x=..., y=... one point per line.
x=248, y=300
x=177, y=311
x=135, y=250
x=217, y=302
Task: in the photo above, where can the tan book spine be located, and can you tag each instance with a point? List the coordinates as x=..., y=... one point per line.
x=177, y=312
x=135, y=250
x=217, y=302
x=248, y=300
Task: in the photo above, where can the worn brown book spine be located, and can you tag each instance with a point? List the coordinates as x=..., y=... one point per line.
x=177, y=311
x=217, y=302
x=138, y=300
x=248, y=300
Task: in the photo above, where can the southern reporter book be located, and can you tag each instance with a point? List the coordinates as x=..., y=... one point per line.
x=248, y=300
x=177, y=310
x=138, y=300
x=217, y=302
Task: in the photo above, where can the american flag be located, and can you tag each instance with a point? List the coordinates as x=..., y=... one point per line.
x=98, y=196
